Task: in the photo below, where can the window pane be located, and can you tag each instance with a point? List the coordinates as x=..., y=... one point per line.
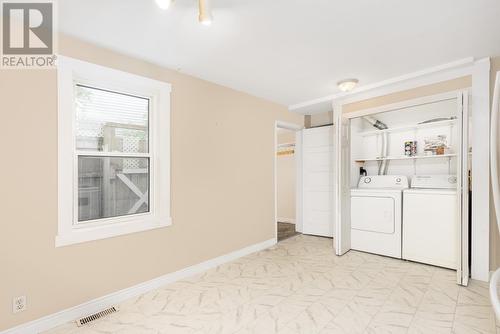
x=112, y=186
x=110, y=122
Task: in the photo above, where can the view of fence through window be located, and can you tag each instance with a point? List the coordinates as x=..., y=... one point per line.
x=112, y=144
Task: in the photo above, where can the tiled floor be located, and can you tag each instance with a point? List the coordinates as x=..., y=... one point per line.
x=300, y=286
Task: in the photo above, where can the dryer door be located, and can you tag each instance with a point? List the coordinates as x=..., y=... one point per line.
x=376, y=223
x=372, y=214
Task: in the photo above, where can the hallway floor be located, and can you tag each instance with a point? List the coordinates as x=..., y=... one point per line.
x=286, y=230
x=300, y=286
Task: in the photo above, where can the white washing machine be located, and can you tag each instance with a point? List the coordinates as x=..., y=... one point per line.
x=430, y=220
x=376, y=214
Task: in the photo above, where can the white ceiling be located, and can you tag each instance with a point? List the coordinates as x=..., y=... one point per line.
x=291, y=51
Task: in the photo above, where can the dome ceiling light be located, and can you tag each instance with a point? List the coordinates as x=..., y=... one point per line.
x=205, y=10
x=347, y=85
x=164, y=4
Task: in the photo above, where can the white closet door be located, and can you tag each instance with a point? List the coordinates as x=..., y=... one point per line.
x=463, y=190
x=342, y=183
x=317, y=178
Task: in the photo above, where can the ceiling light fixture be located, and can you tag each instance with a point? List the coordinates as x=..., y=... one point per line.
x=205, y=10
x=347, y=85
x=205, y=15
x=164, y=4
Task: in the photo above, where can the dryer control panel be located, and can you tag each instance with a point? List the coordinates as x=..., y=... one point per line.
x=434, y=181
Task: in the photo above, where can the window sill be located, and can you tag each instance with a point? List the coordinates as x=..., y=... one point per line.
x=80, y=235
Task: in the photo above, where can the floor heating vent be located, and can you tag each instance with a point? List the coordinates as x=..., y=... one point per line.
x=95, y=316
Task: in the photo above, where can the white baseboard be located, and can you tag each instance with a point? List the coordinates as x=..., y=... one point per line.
x=95, y=305
x=286, y=220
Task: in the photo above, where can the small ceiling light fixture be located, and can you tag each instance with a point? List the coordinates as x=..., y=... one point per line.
x=347, y=85
x=205, y=16
x=164, y=4
x=205, y=10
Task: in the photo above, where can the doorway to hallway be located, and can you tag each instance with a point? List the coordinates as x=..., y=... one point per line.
x=286, y=162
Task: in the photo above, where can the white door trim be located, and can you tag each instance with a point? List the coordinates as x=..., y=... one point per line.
x=480, y=109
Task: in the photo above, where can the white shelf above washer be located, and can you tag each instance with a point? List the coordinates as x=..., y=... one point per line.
x=448, y=122
x=437, y=156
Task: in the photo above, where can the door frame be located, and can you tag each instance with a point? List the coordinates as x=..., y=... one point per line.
x=298, y=173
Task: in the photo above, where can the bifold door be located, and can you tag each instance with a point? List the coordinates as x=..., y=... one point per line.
x=342, y=187
x=317, y=178
x=463, y=189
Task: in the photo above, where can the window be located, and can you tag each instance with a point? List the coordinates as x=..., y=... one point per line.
x=114, y=152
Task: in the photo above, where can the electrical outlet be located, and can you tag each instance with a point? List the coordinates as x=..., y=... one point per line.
x=18, y=304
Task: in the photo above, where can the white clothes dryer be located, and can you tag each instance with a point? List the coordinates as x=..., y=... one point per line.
x=376, y=214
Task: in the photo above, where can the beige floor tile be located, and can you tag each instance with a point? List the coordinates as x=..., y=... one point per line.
x=474, y=319
x=477, y=293
x=421, y=325
x=312, y=320
x=391, y=319
x=386, y=329
x=300, y=286
x=354, y=318
x=334, y=328
x=336, y=299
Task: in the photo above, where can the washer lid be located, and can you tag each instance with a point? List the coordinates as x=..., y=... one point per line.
x=382, y=191
x=430, y=191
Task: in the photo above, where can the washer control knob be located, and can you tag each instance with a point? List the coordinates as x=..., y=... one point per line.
x=398, y=180
x=452, y=179
x=368, y=180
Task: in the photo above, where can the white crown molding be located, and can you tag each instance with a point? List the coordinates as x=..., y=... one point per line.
x=424, y=77
x=98, y=304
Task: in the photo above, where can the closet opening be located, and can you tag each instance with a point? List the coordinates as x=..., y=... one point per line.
x=409, y=180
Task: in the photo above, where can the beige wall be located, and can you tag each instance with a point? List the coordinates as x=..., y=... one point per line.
x=494, y=234
x=222, y=188
x=441, y=87
x=285, y=179
x=320, y=119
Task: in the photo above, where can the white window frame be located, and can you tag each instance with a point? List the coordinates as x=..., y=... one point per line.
x=71, y=72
